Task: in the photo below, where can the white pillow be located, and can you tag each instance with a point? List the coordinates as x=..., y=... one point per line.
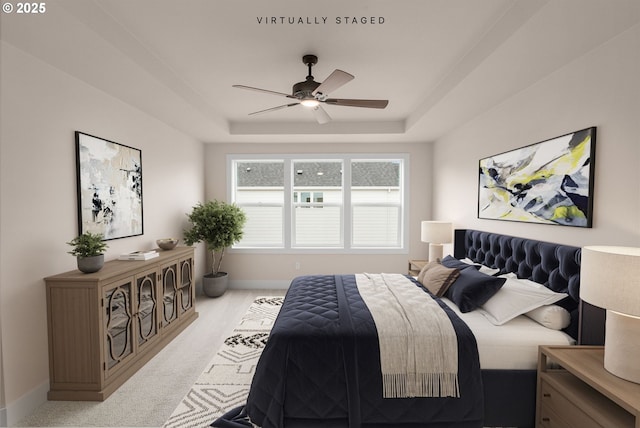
x=516, y=297
x=484, y=269
x=551, y=316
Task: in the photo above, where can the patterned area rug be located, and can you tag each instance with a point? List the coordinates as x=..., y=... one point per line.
x=226, y=380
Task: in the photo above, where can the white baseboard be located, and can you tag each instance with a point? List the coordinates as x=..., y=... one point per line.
x=259, y=284
x=3, y=417
x=25, y=405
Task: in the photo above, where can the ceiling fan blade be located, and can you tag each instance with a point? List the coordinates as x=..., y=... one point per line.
x=266, y=91
x=321, y=115
x=333, y=82
x=274, y=108
x=357, y=103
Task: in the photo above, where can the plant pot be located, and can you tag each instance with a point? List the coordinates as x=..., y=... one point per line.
x=215, y=285
x=90, y=264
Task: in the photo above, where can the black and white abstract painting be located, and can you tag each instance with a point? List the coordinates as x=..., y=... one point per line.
x=550, y=182
x=109, y=187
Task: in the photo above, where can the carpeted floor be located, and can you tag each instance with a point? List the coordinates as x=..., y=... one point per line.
x=225, y=382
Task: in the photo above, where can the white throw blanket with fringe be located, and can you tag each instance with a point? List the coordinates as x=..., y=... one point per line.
x=418, y=344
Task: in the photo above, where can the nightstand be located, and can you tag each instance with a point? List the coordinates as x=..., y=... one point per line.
x=575, y=390
x=415, y=266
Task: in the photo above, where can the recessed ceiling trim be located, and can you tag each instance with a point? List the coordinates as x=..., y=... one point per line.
x=292, y=128
x=508, y=24
x=96, y=18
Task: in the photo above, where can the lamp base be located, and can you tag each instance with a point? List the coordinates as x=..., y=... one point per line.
x=435, y=252
x=622, y=346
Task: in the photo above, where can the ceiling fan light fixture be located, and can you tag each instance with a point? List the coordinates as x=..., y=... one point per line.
x=312, y=94
x=310, y=102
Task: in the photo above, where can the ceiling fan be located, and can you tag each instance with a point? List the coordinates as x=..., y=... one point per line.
x=311, y=93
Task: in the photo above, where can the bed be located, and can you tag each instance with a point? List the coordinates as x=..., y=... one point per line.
x=321, y=366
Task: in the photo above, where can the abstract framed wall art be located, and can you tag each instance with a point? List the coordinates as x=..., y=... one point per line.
x=550, y=182
x=109, y=179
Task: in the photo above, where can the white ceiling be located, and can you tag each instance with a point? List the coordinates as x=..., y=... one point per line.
x=440, y=63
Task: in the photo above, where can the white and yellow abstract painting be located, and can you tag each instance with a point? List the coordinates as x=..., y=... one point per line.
x=550, y=182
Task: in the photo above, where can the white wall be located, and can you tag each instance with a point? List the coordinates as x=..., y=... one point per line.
x=269, y=270
x=599, y=89
x=41, y=108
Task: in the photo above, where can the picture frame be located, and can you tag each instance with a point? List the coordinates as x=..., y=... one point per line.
x=109, y=187
x=550, y=182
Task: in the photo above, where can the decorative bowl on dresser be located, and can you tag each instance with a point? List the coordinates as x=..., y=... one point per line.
x=104, y=326
x=167, y=243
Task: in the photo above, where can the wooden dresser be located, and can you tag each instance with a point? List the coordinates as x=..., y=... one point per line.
x=104, y=326
x=575, y=391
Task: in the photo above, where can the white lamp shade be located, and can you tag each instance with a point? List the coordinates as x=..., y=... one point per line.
x=610, y=278
x=437, y=232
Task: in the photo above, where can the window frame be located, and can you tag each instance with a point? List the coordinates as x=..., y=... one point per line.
x=347, y=215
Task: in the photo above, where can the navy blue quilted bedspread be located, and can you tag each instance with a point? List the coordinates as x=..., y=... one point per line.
x=321, y=367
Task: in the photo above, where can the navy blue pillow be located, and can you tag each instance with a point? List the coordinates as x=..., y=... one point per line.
x=452, y=262
x=472, y=289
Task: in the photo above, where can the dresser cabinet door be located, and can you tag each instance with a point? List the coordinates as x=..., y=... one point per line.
x=187, y=287
x=118, y=325
x=146, y=304
x=169, y=286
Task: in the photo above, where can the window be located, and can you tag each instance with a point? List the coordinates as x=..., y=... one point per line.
x=335, y=203
x=308, y=197
x=376, y=203
x=317, y=214
x=259, y=191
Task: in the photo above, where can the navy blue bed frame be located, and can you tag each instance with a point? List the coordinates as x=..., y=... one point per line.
x=510, y=394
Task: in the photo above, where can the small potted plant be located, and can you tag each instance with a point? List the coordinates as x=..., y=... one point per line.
x=89, y=250
x=219, y=225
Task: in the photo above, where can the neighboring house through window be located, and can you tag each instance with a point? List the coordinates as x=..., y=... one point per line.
x=349, y=203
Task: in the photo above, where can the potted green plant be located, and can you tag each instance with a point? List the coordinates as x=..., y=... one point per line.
x=89, y=251
x=219, y=225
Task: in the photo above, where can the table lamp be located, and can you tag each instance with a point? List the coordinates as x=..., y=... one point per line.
x=610, y=279
x=436, y=233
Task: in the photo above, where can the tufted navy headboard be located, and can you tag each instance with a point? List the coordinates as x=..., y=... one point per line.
x=554, y=265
